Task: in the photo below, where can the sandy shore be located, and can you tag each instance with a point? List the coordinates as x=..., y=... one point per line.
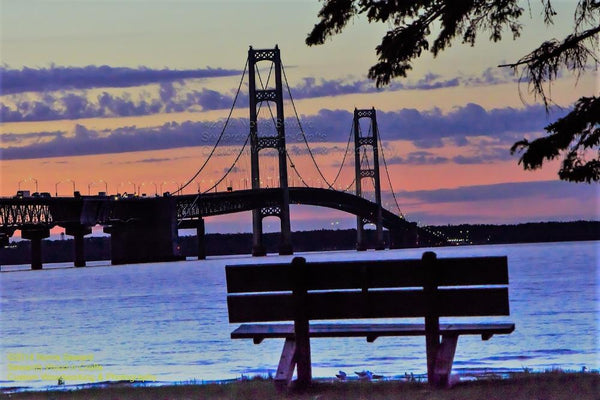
x=535, y=386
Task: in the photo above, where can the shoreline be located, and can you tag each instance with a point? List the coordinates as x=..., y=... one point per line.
x=472, y=375
x=554, y=384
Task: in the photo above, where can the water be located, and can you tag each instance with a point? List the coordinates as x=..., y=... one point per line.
x=168, y=321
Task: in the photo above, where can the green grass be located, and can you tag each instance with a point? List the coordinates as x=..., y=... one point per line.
x=525, y=386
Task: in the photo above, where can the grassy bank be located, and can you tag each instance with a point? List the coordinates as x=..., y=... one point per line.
x=547, y=386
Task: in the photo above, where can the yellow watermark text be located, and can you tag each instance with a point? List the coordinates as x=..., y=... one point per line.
x=62, y=368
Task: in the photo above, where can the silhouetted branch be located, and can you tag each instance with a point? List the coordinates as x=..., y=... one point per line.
x=544, y=63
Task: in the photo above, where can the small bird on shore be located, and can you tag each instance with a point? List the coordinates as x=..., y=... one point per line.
x=341, y=375
x=364, y=375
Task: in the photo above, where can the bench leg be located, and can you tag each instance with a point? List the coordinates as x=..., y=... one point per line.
x=285, y=370
x=302, y=356
x=432, y=344
x=443, y=361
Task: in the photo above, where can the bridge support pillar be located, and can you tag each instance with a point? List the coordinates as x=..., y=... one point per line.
x=258, y=248
x=200, y=233
x=5, y=234
x=285, y=246
x=150, y=233
x=261, y=142
x=35, y=235
x=361, y=242
x=78, y=232
x=366, y=171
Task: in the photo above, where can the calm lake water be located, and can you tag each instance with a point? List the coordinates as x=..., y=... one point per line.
x=168, y=321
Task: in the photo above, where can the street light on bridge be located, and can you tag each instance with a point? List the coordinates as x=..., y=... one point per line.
x=178, y=185
x=91, y=184
x=128, y=183
x=26, y=180
x=105, y=185
x=149, y=183
x=56, y=188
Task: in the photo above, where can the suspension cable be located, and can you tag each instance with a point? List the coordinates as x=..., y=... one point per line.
x=231, y=167
x=191, y=206
x=344, y=158
x=302, y=130
x=220, y=135
x=248, y=136
x=387, y=172
x=293, y=166
x=264, y=86
x=350, y=186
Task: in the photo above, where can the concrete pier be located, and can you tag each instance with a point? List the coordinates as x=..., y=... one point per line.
x=361, y=243
x=148, y=233
x=35, y=235
x=200, y=234
x=78, y=232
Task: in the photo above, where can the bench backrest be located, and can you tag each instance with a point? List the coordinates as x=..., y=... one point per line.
x=368, y=289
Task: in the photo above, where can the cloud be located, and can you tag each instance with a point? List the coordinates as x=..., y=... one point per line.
x=76, y=105
x=485, y=155
x=311, y=87
x=55, y=162
x=84, y=141
x=418, y=158
x=61, y=78
x=316, y=150
x=505, y=191
x=18, y=138
x=503, y=203
x=79, y=105
x=425, y=129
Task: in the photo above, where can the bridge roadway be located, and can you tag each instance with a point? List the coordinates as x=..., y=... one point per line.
x=126, y=218
x=28, y=212
x=190, y=207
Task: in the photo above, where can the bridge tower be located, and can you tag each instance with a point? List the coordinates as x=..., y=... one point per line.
x=371, y=139
x=258, y=143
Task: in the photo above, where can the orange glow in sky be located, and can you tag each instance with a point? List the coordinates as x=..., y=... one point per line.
x=447, y=128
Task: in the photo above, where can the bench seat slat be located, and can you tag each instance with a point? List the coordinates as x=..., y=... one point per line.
x=269, y=331
x=373, y=304
x=359, y=274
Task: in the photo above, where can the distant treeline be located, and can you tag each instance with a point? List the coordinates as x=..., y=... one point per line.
x=98, y=248
x=522, y=233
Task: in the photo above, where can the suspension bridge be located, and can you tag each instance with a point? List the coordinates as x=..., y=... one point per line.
x=145, y=229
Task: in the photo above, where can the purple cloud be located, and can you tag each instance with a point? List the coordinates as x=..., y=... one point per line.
x=79, y=105
x=425, y=129
x=418, y=158
x=505, y=191
x=61, y=78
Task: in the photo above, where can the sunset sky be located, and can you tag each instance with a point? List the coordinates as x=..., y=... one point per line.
x=132, y=95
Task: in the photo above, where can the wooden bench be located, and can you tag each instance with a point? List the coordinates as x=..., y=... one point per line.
x=302, y=292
